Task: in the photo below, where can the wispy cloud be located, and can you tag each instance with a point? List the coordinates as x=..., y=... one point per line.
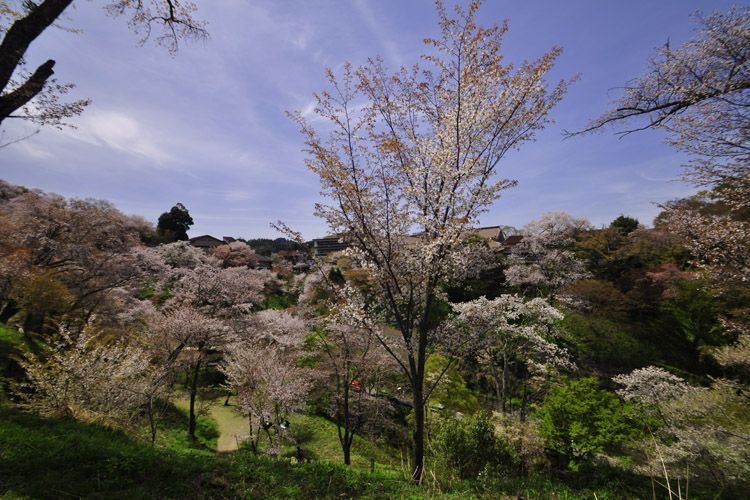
x=121, y=132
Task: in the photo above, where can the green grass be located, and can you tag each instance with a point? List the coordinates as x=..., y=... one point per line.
x=229, y=423
x=46, y=458
x=173, y=431
x=318, y=438
x=10, y=336
x=63, y=458
x=11, y=345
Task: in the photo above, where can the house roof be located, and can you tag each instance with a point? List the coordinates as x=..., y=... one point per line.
x=512, y=240
x=206, y=241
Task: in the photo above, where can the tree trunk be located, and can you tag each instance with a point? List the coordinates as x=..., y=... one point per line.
x=524, y=398
x=346, y=445
x=342, y=423
x=505, y=378
x=418, y=432
x=13, y=47
x=499, y=394
x=151, y=420
x=193, y=393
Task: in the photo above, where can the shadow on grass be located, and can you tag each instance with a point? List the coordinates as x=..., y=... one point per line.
x=64, y=458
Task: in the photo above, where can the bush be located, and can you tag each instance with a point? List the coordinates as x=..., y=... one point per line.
x=578, y=420
x=465, y=448
x=525, y=441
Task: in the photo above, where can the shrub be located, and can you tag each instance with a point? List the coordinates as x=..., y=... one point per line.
x=525, y=441
x=578, y=420
x=465, y=448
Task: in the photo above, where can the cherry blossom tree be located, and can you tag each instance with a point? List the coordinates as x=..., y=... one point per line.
x=82, y=246
x=416, y=151
x=35, y=96
x=703, y=427
x=273, y=327
x=540, y=262
x=203, y=294
x=186, y=338
x=356, y=366
x=699, y=94
x=269, y=387
x=236, y=254
x=508, y=329
x=84, y=376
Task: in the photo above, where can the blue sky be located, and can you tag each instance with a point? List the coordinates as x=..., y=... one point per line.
x=208, y=128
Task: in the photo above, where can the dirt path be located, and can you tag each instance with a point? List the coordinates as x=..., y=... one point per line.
x=230, y=423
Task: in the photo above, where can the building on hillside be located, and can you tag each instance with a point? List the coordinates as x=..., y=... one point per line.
x=507, y=245
x=493, y=235
x=206, y=242
x=293, y=256
x=329, y=245
x=264, y=262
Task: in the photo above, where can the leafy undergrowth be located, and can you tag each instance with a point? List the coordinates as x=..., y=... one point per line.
x=64, y=458
x=12, y=343
x=318, y=439
x=172, y=432
x=44, y=458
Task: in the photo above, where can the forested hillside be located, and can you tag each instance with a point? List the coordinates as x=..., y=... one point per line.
x=426, y=360
x=579, y=344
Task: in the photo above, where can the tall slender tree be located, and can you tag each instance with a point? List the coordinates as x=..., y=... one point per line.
x=416, y=151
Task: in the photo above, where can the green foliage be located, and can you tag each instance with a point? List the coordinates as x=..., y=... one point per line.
x=469, y=447
x=281, y=301
x=451, y=391
x=336, y=277
x=578, y=420
x=174, y=225
x=12, y=345
x=624, y=224
x=599, y=341
x=266, y=246
x=175, y=436
x=42, y=299
x=694, y=312
x=63, y=458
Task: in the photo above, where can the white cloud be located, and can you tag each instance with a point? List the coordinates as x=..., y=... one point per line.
x=35, y=150
x=121, y=132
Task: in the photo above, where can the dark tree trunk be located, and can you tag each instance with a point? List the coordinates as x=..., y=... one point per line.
x=193, y=393
x=343, y=424
x=524, y=398
x=347, y=447
x=505, y=378
x=151, y=419
x=499, y=380
x=13, y=47
x=418, y=431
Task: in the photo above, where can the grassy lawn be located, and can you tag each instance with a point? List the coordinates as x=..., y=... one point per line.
x=230, y=424
x=318, y=439
x=48, y=458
